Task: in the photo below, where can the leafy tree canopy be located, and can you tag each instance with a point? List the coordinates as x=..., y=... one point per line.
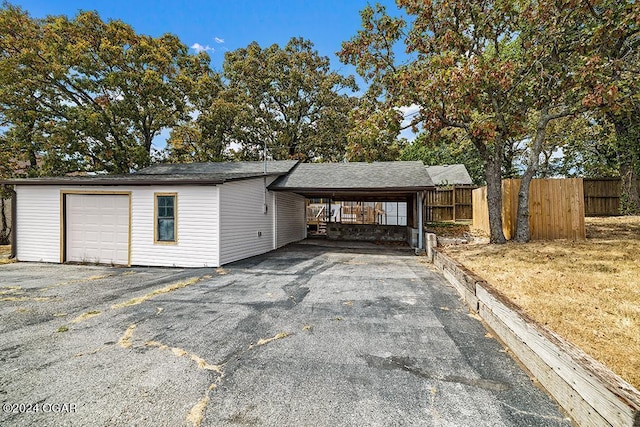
x=88, y=95
x=498, y=71
x=291, y=101
x=444, y=151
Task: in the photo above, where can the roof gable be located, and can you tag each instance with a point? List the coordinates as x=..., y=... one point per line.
x=449, y=175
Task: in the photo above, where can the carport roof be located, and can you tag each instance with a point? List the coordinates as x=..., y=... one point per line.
x=355, y=177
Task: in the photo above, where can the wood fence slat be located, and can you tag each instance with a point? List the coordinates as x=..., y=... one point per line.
x=449, y=204
x=556, y=208
x=602, y=196
x=480, y=209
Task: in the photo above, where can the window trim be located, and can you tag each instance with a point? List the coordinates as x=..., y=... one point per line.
x=175, y=219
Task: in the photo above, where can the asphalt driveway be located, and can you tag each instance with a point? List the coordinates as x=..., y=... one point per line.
x=302, y=336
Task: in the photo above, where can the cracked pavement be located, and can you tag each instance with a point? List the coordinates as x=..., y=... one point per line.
x=306, y=335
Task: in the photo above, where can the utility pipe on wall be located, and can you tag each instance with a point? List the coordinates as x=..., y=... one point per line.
x=420, y=224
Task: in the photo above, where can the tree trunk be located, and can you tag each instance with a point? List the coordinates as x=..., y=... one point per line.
x=493, y=176
x=523, y=231
x=628, y=145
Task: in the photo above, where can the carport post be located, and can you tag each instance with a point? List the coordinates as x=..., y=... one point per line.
x=420, y=225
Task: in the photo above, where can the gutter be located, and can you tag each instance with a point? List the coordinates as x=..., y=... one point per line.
x=350, y=190
x=135, y=180
x=111, y=182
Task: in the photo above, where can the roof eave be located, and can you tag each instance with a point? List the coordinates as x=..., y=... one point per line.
x=134, y=180
x=112, y=182
x=353, y=189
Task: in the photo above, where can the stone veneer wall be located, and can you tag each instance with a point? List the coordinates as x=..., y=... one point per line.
x=367, y=232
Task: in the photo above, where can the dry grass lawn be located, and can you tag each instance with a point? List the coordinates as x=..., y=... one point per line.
x=588, y=292
x=5, y=252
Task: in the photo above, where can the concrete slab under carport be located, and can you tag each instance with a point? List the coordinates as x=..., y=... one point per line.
x=364, y=335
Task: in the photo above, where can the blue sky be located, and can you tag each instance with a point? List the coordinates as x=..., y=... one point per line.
x=228, y=25
x=220, y=26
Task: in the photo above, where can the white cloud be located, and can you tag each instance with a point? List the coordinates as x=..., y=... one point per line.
x=218, y=40
x=200, y=48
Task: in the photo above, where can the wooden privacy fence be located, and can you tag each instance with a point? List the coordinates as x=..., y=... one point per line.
x=448, y=204
x=602, y=196
x=556, y=208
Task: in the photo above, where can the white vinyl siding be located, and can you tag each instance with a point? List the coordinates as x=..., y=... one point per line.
x=196, y=227
x=245, y=229
x=97, y=228
x=291, y=225
x=39, y=216
x=38, y=223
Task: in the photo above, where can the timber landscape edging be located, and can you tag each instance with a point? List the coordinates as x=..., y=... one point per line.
x=587, y=390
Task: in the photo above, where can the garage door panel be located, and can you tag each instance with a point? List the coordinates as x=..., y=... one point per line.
x=97, y=228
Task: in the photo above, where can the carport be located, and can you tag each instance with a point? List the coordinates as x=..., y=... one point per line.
x=401, y=181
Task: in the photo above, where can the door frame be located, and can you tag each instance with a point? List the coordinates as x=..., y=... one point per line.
x=63, y=218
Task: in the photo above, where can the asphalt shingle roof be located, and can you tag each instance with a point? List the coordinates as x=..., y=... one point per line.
x=355, y=176
x=188, y=173
x=449, y=175
x=276, y=167
x=379, y=176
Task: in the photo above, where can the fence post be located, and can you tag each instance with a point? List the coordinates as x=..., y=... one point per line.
x=453, y=199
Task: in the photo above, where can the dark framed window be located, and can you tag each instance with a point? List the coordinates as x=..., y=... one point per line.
x=166, y=218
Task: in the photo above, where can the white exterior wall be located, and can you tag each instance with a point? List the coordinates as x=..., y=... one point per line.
x=197, y=227
x=291, y=222
x=39, y=216
x=38, y=223
x=245, y=229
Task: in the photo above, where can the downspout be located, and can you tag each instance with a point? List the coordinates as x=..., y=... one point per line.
x=264, y=172
x=14, y=221
x=274, y=222
x=265, y=207
x=420, y=224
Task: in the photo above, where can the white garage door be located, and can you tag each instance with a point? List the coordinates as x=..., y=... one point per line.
x=97, y=228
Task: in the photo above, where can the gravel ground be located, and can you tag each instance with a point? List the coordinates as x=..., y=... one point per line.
x=306, y=335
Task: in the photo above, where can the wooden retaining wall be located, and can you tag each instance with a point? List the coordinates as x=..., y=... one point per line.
x=556, y=209
x=587, y=390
